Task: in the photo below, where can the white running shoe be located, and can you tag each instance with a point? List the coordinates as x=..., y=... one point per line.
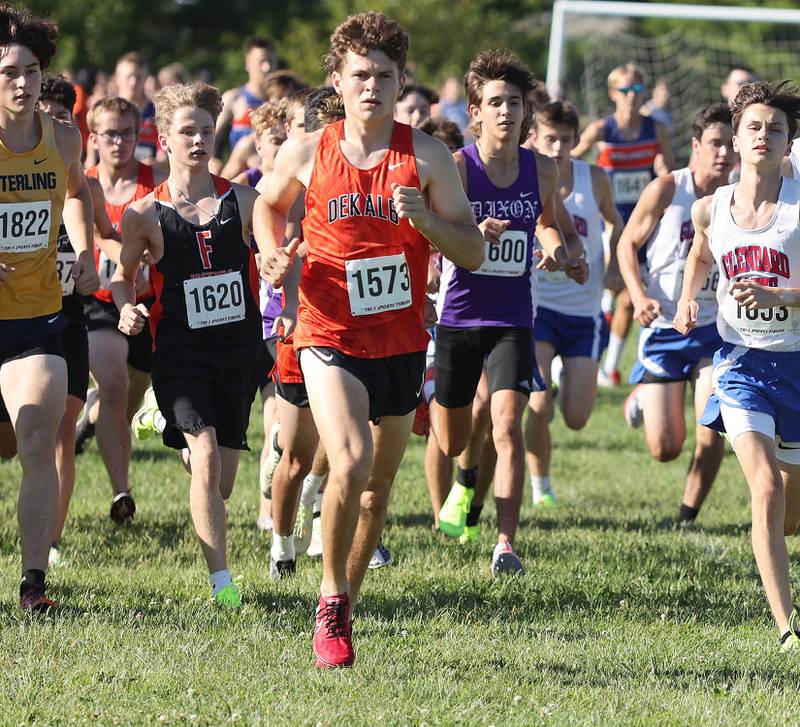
x=271, y=464
x=505, y=561
x=381, y=558
x=634, y=414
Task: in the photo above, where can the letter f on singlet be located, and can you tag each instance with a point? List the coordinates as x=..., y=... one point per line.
x=205, y=248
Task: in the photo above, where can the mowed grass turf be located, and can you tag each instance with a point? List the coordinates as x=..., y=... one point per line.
x=621, y=618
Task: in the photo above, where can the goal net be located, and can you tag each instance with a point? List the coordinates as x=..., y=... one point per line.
x=693, y=59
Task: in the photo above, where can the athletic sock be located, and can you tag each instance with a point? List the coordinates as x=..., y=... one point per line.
x=311, y=485
x=540, y=485
x=786, y=636
x=467, y=478
x=275, y=444
x=607, y=302
x=474, y=515
x=219, y=580
x=159, y=422
x=318, y=503
x=687, y=514
x=613, y=354
x=282, y=547
x=31, y=579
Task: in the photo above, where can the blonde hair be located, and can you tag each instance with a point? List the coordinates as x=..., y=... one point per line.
x=624, y=70
x=115, y=104
x=267, y=116
x=177, y=95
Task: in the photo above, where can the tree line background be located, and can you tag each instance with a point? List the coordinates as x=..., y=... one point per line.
x=207, y=35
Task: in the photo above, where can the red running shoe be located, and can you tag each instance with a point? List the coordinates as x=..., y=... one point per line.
x=34, y=601
x=333, y=636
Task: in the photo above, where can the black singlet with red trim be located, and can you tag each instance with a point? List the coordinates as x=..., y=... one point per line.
x=206, y=286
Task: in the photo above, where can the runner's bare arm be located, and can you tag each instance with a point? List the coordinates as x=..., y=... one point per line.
x=448, y=223
x=237, y=161
x=548, y=231
x=590, y=136
x=698, y=265
x=77, y=215
x=226, y=116
x=604, y=196
x=106, y=237
x=140, y=233
x=664, y=162
x=271, y=209
x=655, y=198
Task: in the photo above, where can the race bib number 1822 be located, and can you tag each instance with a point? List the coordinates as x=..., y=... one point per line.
x=24, y=226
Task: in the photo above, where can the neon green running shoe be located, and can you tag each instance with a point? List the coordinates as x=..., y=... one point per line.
x=546, y=500
x=792, y=642
x=453, y=515
x=229, y=597
x=144, y=424
x=470, y=535
x=302, y=528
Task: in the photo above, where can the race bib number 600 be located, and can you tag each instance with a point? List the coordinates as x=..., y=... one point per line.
x=24, y=226
x=378, y=284
x=507, y=258
x=214, y=300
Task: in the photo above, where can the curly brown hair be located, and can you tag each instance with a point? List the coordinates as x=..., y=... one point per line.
x=784, y=97
x=38, y=36
x=498, y=65
x=365, y=32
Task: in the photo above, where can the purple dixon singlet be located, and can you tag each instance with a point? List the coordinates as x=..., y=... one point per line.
x=502, y=292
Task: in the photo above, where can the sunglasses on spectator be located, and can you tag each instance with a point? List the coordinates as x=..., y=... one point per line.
x=635, y=87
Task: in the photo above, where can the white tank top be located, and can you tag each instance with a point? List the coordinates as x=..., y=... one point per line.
x=770, y=255
x=794, y=158
x=558, y=292
x=666, y=253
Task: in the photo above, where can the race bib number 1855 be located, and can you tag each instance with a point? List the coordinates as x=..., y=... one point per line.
x=214, y=300
x=378, y=284
x=24, y=226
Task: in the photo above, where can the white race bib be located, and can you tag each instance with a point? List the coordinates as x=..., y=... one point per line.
x=214, y=300
x=24, y=226
x=507, y=258
x=709, y=289
x=105, y=270
x=778, y=320
x=64, y=263
x=628, y=186
x=378, y=284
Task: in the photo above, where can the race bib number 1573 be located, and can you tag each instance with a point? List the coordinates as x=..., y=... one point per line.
x=378, y=284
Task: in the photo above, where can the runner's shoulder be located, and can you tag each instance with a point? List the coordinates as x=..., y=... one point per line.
x=660, y=191
x=141, y=214
x=547, y=170
x=431, y=153
x=701, y=211
x=68, y=141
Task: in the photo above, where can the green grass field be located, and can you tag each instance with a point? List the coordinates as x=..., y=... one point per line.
x=621, y=619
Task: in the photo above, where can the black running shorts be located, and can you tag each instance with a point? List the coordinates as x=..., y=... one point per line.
x=100, y=314
x=192, y=398
x=394, y=383
x=461, y=353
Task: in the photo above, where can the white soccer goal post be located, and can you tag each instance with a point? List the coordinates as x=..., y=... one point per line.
x=692, y=62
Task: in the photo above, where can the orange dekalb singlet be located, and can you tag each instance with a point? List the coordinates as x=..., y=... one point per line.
x=362, y=291
x=33, y=185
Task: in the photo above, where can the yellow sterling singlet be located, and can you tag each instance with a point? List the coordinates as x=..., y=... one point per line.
x=33, y=185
